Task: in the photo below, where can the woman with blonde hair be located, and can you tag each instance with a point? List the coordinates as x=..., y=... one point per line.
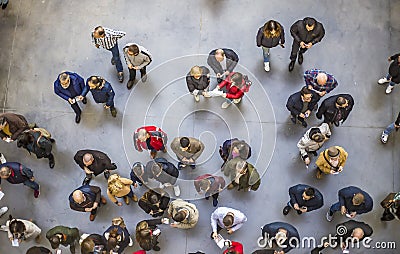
x=269, y=36
x=198, y=81
x=119, y=187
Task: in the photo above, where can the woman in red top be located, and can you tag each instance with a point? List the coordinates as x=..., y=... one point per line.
x=234, y=248
x=235, y=87
x=150, y=138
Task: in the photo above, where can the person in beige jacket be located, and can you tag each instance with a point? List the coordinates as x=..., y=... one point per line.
x=331, y=161
x=183, y=213
x=312, y=141
x=21, y=230
x=187, y=150
x=119, y=187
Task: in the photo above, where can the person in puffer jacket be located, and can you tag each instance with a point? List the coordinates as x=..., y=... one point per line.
x=312, y=141
x=235, y=87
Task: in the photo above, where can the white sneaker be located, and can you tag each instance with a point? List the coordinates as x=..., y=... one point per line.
x=177, y=190
x=3, y=228
x=225, y=104
x=266, y=66
x=206, y=95
x=2, y=158
x=197, y=98
x=389, y=89
x=3, y=210
x=382, y=81
x=161, y=186
x=384, y=138
x=130, y=242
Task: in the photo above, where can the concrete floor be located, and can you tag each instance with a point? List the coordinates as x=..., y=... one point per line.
x=41, y=38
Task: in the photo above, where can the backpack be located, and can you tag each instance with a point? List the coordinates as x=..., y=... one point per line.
x=45, y=133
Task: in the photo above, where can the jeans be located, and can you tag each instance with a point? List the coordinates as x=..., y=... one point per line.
x=389, y=129
x=391, y=82
x=115, y=54
x=31, y=184
x=335, y=208
x=265, y=53
x=132, y=73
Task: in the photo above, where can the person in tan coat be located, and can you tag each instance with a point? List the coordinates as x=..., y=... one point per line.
x=11, y=126
x=312, y=141
x=119, y=187
x=187, y=150
x=331, y=161
x=183, y=213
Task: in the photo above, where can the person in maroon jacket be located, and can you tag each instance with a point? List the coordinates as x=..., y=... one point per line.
x=209, y=185
x=236, y=84
x=150, y=138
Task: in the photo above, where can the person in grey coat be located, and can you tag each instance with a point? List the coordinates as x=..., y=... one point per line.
x=137, y=58
x=312, y=141
x=187, y=150
x=163, y=172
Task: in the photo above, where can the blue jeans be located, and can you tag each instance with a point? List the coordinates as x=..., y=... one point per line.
x=335, y=207
x=265, y=54
x=391, y=82
x=115, y=54
x=31, y=184
x=389, y=129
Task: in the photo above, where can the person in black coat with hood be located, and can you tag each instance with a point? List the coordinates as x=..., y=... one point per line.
x=303, y=198
x=222, y=61
x=164, y=172
x=305, y=33
x=198, y=81
x=301, y=104
x=283, y=236
x=154, y=202
x=336, y=108
x=393, y=77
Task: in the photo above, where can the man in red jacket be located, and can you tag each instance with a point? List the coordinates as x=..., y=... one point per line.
x=150, y=138
x=235, y=87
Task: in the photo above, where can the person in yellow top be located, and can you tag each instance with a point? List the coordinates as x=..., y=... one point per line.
x=331, y=161
x=119, y=187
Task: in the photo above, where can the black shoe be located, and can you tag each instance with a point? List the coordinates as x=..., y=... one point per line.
x=112, y=61
x=181, y=165
x=107, y=174
x=113, y=112
x=52, y=140
x=314, y=153
x=286, y=210
x=215, y=202
x=130, y=84
x=114, y=166
x=300, y=58
x=144, y=78
x=193, y=166
x=86, y=181
x=293, y=120
x=4, y=6
x=120, y=77
x=207, y=198
x=77, y=118
x=299, y=212
x=51, y=161
x=336, y=123
x=291, y=65
x=304, y=124
x=84, y=101
x=156, y=248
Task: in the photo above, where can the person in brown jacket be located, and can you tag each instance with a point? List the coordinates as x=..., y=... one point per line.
x=11, y=126
x=331, y=161
x=119, y=187
x=210, y=185
x=187, y=150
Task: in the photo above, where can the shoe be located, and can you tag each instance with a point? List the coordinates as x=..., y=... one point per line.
x=177, y=190
x=225, y=104
x=236, y=101
x=286, y=210
x=144, y=78
x=113, y=112
x=207, y=198
x=300, y=58
x=130, y=84
x=291, y=65
x=126, y=200
x=4, y=6
x=103, y=200
x=165, y=150
x=3, y=210
x=2, y=158
x=389, y=89
x=52, y=140
x=52, y=163
x=197, y=98
x=153, y=154
x=382, y=81
x=215, y=202
x=266, y=66
x=113, y=166
x=38, y=238
x=304, y=124
x=77, y=118
x=319, y=174
x=206, y=95
x=293, y=120
x=299, y=212
x=84, y=101
x=135, y=198
x=161, y=186
x=36, y=193
x=112, y=61
x=92, y=217
x=336, y=123
x=130, y=242
x=384, y=138
x=107, y=174
x=86, y=181
x=4, y=228
x=156, y=248
x=230, y=186
x=329, y=216
x=120, y=77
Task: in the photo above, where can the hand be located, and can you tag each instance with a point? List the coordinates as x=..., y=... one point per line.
x=87, y=170
x=71, y=101
x=310, y=87
x=11, y=238
x=326, y=244
x=353, y=214
x=218, y=75
x=302, y=115
x=80, y=97
x=174, y=225
x=296, y=206
x=307, y=161
x=88, y=209
x=119, y=204
x=32, y=179
x=309, y=45
x=303, y=209
x=302, y=44
x=340, y=169
x=135, y=185
x=343, y=210
x=214, y=235
x=151, y=212
x=308, y=112
x=332, y=171
x=195, y=92
x=106, y=107
x=389, y=59
x=130, y=66
x=282, y=46
x=226, y=73
x=224, y=95
x=97, y=45
x=230, y=231
x=136, y=67
x=322, y=93
x=5, y=138
x=95, y=205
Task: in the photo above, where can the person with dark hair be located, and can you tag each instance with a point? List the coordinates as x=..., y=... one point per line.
x=210, y=185
x=94, y=162
x=117, y=236
x=150, y=138
x=69, y=86
x=12, y=125
x=242, y=174
x=305, y=33
x=38, y=250
x=331, y=161
x=233, y=247
x=21, y=230
x=222, y=61
x=269, y=36
x=391, y=204
x=64, y=236
x=165, y=173
x=16, y=173
x=301, y=104
x=226, y=218
x=352, y=201
x=87, y=198
x=39, y=142
x=101, y=91
x=236, y=85
x=154, y=202
x=319, y=82
x=232, y=148
x=183, y=213
x=137, y=58
x=393, y=76
x=120, y=187
x=303, y=199
x=336, y=109
x=283, y=236
x=198, y=81
x=108, y=39
x=389, y=129
x=147, y=233
x=93, y=242
x=312, y=141
x=187, y=150
x=139, y=176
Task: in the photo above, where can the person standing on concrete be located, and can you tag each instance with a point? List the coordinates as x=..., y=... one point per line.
x=303, y=199
x=242, y=175
x=280, y=234
x=352, y=201
x=222, y=61
x=312, y=141
x=301, y=104
x=165, y=173
x=305, y=33
x=393, y=126
x=87, y=198
x=137, y=58
x=94, y=162
x=147, y=233
x=236, y=85
x=92, y=242
x=117, y=236
x=198, y=82
x=119, y=187
x=210, y=185
x=69, y=86
x=64, y=236
x=16, y=173
x=187, y=150
x=331, y=161
x=21, y=230
x=154, y=202
x=319, y=82
x=150, y=138
x=336, y=109
x=11, y=126
x=183, y=213
x=393, y=76
x=391, y=204
x=269, y=36
x=108, y=39
x=226, y=218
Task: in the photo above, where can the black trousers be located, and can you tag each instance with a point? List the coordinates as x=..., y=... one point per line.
x=295, y=49
x=132, y=73
x=299, y=118
x=76, y=109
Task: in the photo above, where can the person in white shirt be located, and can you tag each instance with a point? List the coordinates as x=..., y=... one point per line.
x=226, y=218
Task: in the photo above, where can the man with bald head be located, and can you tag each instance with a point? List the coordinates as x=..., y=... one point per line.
x=319, y=82
x=222, y=61
x=87, y=198
x=94, y=162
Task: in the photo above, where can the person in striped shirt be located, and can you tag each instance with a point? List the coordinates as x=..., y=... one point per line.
x=108, y=39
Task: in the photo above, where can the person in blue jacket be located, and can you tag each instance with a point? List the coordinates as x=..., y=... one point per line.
x=118, y=238
x=16, y=173
x=282, y=237
x=69, y=86
x=303, y=198
x=102, y=92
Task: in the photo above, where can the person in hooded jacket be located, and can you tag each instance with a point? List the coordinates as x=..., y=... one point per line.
x=312, y=141
x=198, y=82
x=336, y=109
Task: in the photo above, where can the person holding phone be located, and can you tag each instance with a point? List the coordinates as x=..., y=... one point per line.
x=147, y=233
x=303, y=199
x=331, y=161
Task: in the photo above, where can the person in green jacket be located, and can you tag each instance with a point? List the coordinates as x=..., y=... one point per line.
x=242, y=174
x=63, y=235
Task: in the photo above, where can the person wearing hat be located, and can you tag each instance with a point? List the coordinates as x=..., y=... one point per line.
x=87, y=198
x=304, y=199
x=119, y=187
x=331, y=161
x=242, y=174
x=210, y=185
x=63, y=235
x=183, y=213
x=154, y=202
x=305, y=33
x=150, y=138
x=187, y=150
x=312, y=141
x=336, y=109
x=198, y=82
x=101, y=91
x=301, y=104
x=94, y=162
x=352, y=201
x=282, y=235
x=226, y=218
x=164, y=172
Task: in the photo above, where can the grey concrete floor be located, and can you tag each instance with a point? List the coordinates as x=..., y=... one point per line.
x=41, y=38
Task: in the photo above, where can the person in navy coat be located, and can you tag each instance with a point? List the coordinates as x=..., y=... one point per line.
x=284, y=236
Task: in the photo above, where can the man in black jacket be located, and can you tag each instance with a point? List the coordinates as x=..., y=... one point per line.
x=390, y=129
x=336, y=108
x=280, y=235
x=94, y=162
x=164, y=172
x=222, y=61
x=303, y=198
x=154, y=202
x=305, y=33
x=301, y=104
x=393, y=77
x=87, y=198
x=16, y=173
